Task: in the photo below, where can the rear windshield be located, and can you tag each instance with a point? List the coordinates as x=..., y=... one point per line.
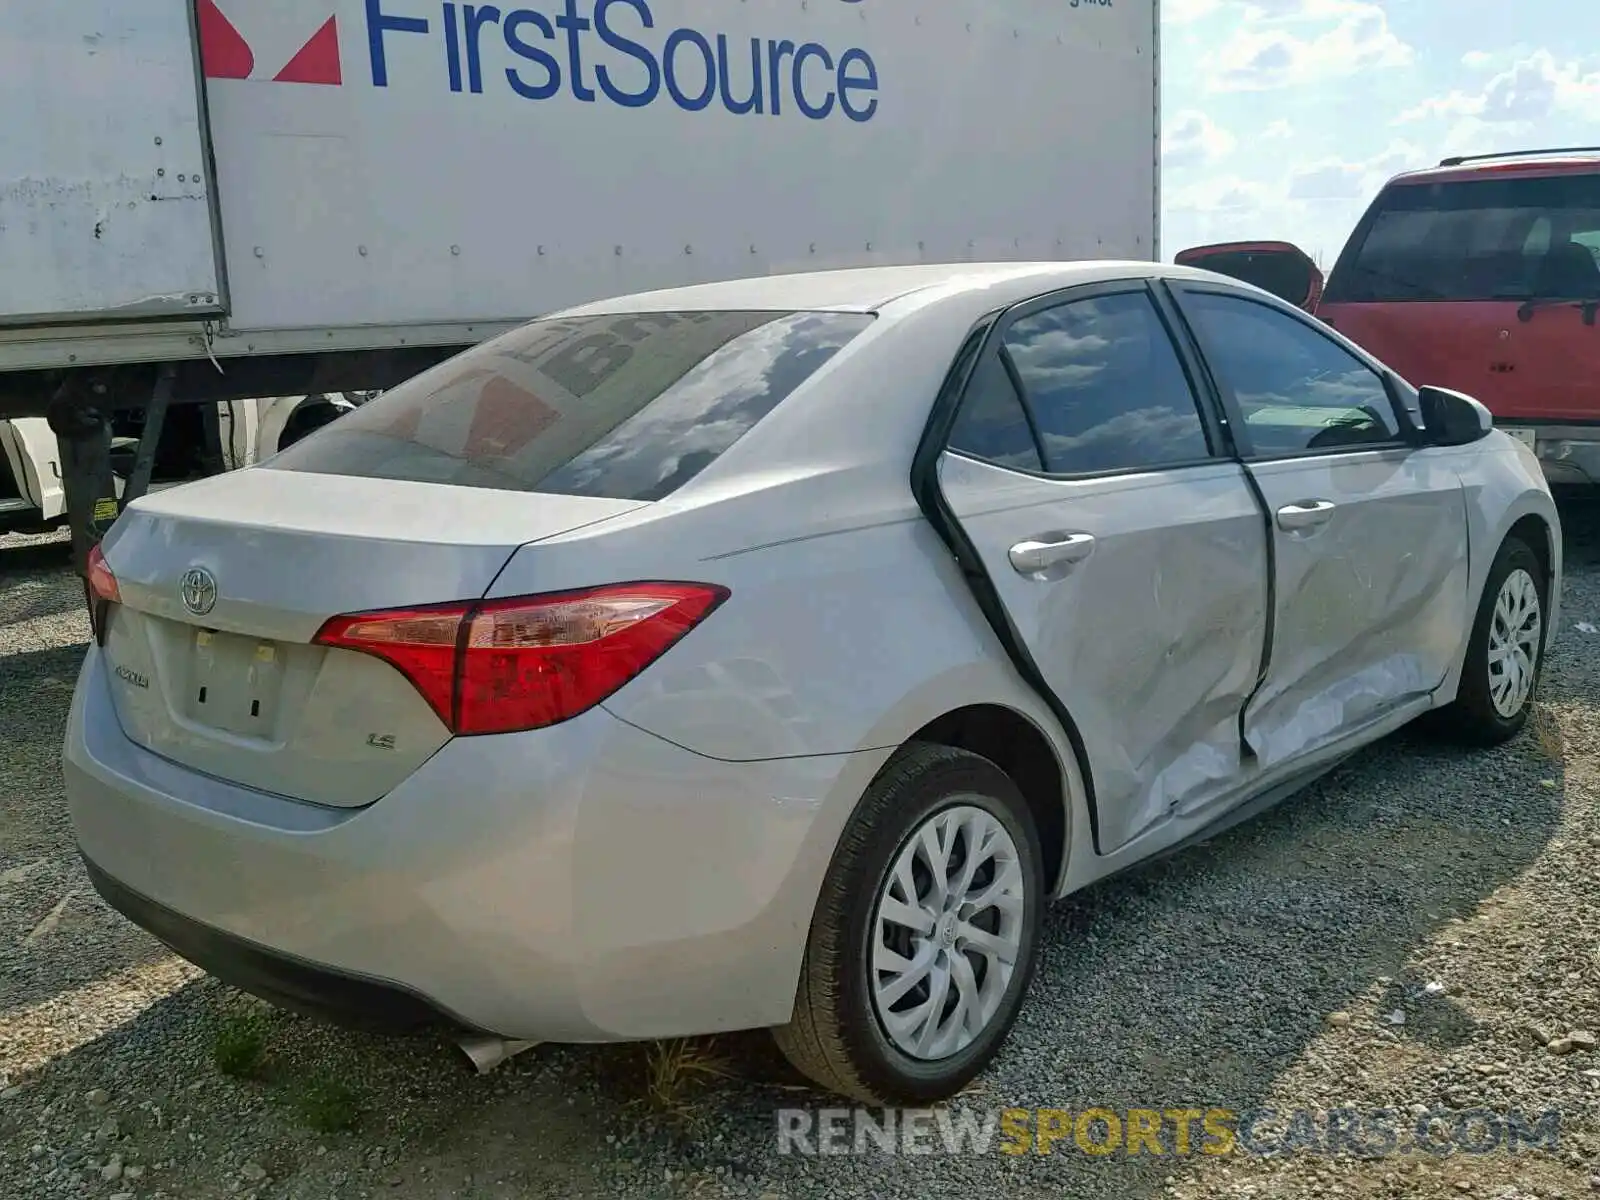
x=628, y=407
x=1506, y=238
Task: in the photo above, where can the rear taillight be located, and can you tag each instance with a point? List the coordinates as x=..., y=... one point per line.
x=496, y=666
x=102, y=583
x=101, y=592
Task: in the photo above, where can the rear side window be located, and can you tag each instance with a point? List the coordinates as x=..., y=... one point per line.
x=628, y=407
x=1106, y=387
x=1502, y=238
x=992, y=424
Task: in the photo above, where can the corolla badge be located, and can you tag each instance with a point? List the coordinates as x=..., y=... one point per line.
x=198, y=587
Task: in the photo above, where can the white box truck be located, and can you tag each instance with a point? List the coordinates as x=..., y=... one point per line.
x=210, y=200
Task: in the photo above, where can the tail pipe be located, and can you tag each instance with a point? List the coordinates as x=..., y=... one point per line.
x=487, y=1053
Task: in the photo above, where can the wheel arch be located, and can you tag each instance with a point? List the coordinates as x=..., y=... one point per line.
x=1534, y=530
x=1016, y=744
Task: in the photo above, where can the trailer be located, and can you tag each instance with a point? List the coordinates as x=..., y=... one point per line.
x=200, y=440
x=204, y=201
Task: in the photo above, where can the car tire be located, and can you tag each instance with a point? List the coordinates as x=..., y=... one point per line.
x=849, y=1032
x=1491, y=706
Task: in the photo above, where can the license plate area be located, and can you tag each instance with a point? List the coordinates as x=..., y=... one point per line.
x=235, y=683
x=1528, y=437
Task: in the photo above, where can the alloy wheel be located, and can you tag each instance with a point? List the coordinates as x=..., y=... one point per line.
x=946, y=932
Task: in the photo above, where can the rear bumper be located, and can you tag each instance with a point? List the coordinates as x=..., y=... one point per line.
x=588, y=882
x=285, y=981
x=1567, y=453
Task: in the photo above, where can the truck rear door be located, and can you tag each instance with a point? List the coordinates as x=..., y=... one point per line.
x=104, y=170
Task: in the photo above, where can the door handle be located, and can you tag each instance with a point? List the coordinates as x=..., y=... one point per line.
x=1050, y=550
x=1305, y=514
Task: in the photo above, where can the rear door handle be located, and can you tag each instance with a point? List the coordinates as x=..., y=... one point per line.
x=1305, y=514
x=1050, y=550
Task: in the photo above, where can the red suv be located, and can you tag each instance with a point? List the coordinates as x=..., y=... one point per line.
x=1482, y=275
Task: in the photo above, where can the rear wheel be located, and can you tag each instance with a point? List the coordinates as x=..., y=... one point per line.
x=924, y=937
x=1500, y=675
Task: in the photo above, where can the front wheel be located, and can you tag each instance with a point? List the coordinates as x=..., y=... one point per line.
x=1500, y=674
x=924, y=937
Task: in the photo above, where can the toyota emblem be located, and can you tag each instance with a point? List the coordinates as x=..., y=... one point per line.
x=198, y=587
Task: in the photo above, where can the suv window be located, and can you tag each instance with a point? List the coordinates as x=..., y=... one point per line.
x=1105, y=386
x=1297, y=390
x=1503, y=238
x=629, y=407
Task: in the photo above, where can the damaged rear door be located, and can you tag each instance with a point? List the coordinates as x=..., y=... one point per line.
x=1126, y=551
x=1369, y=531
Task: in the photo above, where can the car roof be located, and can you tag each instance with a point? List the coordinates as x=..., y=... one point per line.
x=1530, y=163
x=863, y=289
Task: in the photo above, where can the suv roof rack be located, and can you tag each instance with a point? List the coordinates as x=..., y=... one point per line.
x=1459, y=159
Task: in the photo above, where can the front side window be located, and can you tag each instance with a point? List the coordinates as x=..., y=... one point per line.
x=1503, y=238
x=627, y=407
x=1298, y=391
x=1106, y=387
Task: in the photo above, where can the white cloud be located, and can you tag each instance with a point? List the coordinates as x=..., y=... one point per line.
x=1184, y=12
x=1224, y=194
x=1335, y=179
x=1477, y=60
x=1277, y=129
x=1532, y=89
x=1192, y=139
x=1271, y=51
x=1301, y=10
x=1187, y=12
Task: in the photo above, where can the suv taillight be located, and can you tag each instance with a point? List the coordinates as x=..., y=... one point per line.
x=498, y=666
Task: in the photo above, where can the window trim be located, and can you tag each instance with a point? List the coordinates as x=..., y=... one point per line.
x=1409, y=436
x=1211, y=423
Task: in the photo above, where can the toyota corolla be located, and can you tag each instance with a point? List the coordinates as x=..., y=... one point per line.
x=768, y=654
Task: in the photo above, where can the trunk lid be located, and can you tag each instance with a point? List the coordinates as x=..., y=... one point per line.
x=225, y=582
x=1281, y=268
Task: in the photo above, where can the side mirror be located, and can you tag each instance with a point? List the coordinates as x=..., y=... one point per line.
x=1451, y=418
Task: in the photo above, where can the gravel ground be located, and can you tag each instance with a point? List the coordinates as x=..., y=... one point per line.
x=1404, y=936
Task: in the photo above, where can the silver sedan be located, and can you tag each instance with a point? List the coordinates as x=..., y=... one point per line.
x=769, y=653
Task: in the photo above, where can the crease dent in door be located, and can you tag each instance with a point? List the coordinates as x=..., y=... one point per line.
x=1351, y=606
x=1154, y=642
x=1203, y=757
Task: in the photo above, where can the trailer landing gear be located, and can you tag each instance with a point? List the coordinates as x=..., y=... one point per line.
x=80, y=417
